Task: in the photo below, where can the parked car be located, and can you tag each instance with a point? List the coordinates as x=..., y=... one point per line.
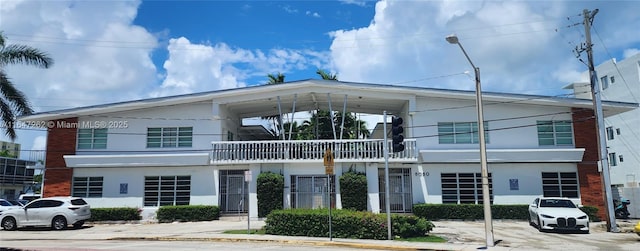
x=30, y=196
x=54, y=212
x=553, y=213
x=6, y=205
x=637, y=228
x=18, y=202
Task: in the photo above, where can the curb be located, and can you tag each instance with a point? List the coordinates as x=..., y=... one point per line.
x=290, y=242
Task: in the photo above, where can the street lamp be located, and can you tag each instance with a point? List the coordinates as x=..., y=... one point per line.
x=486, y=197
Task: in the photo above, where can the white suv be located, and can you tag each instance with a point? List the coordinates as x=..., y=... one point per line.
x=54, y=212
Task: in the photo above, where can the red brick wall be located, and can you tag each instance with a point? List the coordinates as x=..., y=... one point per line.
x=60, y=141
x=585, y=133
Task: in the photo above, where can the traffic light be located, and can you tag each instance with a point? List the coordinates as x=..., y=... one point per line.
x=396, y=132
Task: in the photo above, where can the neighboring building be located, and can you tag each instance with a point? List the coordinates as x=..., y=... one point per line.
x=15, y=177
x=194, y=149
x=620, y=81
x=10, y=148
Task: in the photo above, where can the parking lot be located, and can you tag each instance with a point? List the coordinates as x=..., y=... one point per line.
x=462, y=235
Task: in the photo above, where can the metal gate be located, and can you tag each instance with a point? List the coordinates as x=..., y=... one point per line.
x=233, y=191
x=400, y=198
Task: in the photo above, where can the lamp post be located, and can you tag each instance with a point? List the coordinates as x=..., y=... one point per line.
x=486, y=196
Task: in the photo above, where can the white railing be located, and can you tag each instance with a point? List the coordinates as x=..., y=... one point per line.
x=307, y=150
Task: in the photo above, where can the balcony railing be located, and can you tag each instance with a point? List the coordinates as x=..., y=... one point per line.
x=307, y=151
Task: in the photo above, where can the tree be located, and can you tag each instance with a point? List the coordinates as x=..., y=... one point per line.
x=12, y=101
x=326, y=76
x=275, y=79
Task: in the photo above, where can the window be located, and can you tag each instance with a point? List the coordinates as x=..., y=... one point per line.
x=92, y=138
x=169, y=137
x=610, y=134
x=617, y=131
x=167, y=190
x=560, y=184
x=613, y=80
x=613, y=160
x=460, y=132
x=87, y=187
x=310, y=191
x=463, y=188
x=555, y=133
x=621, y=158
x=604, y=82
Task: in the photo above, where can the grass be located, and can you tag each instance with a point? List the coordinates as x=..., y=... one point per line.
x=429, y=238
x=244, y=231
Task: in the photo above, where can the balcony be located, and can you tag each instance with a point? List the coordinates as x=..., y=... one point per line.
x=296, y=151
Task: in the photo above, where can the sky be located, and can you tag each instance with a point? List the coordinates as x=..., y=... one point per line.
x=115, y=50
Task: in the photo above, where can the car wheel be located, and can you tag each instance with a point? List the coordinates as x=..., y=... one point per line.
x=78, y=224
x=59, y=223
x=9, y=223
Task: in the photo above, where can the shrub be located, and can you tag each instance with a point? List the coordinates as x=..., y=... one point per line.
x=188, y=213
x=345, y=224
x=115, y=214
x=353, y=191
x=270, y=192
x=592, y=212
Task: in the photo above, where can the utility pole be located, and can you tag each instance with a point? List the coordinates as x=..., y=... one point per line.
x=597, y=107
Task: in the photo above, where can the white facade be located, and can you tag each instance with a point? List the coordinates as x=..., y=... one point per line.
x=211, y=169
x=619, y=81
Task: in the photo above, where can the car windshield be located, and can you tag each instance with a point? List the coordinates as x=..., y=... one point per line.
x=557, y=203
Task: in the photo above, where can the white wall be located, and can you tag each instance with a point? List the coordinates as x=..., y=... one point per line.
x=528, y=175
x=508, y=115
x=203, y=184
x=128, y=130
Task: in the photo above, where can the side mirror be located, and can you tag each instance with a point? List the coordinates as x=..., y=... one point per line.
x=580, y=206
x=533, y=205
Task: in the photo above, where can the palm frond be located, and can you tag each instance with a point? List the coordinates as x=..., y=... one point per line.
x=23, y=54
x=13, y=97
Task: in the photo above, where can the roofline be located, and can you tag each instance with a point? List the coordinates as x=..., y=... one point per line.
x=203, y=96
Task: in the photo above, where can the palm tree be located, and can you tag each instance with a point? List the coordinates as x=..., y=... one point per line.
x=326, y=76
x=12, y=101
x=275, y=79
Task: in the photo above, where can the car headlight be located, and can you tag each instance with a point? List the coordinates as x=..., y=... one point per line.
x=584, y=217
x=547, y=216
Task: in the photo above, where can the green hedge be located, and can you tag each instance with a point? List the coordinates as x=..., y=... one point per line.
x=115, y=214
x=188, y=213
x=345, y=224
x=476, y=212
x=353, y=191
x=270, y=192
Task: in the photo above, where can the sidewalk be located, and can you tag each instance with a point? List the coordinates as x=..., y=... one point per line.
x=462, y=235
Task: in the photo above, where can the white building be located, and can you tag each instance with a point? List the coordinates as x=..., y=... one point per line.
x=620, y=81
x=194, y=149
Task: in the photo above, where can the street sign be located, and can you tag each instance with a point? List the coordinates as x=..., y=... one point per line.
x=328, y=161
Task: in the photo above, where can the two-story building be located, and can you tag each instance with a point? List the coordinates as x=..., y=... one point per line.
x=195, y=149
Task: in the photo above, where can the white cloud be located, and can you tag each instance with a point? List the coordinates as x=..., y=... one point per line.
x=630, y=52
x=203, y=67
x=98, y=53
x=355, y=2
x=313, y=14
x=519, y=46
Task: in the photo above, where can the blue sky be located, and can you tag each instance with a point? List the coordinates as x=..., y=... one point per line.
x=118, y=50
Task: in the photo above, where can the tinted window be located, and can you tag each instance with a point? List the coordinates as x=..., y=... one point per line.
x=5, y=203
x=78, y=202
x=36, y=204
x=52, y=203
